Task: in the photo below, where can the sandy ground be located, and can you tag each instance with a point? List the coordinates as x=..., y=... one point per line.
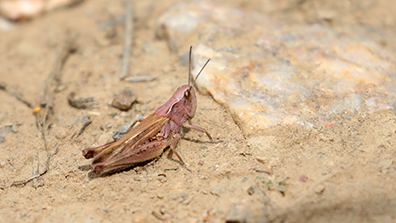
x=342, y=173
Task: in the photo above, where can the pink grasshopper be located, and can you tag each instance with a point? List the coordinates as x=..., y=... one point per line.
x=149, y=139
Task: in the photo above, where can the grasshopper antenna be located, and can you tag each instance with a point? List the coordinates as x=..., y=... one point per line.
x=200, y=71
x=189, y=66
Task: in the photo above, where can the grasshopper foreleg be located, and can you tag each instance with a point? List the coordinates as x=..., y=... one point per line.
x=198, y=129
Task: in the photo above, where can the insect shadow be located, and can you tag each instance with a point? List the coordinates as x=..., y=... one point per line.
x=137, y=167
x=143, y=165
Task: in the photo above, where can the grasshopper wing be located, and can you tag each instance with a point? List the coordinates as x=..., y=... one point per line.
x=139, y=142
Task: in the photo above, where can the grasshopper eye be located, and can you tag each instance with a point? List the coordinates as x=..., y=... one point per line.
x=187, y=95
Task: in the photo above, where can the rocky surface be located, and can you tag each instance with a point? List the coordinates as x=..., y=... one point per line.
x=272, y=74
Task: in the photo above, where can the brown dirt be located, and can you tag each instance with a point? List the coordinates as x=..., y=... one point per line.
x=350, y=167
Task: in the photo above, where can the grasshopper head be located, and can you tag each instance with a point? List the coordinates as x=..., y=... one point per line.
x=185, y=95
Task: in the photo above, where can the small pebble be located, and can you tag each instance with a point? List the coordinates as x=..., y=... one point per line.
x=3, y=133
x=303, y=178
x=61, y=88
x=22, y=214
x=238, y=213
x=158, y=215
x=139, y=219
x=250, y=191
x=14, y=128
x=162, y=179
x=239, y=138
x=163, y=210
x=81, y=103
x=319, y=189
x=270, y=185
x=219, y=190
x=105, y=138
x=124, y=100
x=160, y=196
x=2, y=163
x=60, y=133
x=282, y=189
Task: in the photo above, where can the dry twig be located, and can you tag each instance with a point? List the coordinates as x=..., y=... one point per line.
x=17, y=95
x=43, y=114
x=127, y=38
x=37, y=174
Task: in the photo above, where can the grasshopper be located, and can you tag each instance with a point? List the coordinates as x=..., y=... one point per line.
x=148, y=140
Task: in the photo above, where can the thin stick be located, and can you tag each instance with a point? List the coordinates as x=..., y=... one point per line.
x=37, y=175
x=3, y=86
x=127, y=38
x=42, y=118
x=36, y=183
